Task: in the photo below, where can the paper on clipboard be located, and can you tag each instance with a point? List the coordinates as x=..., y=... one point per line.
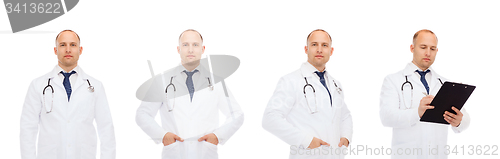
x=450, y=94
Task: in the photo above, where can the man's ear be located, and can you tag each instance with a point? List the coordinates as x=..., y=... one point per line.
x=412, y=47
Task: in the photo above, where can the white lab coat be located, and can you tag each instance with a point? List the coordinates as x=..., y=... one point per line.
x=408, y=132
x=289, y=118
x=191, y=120
x=68, y=131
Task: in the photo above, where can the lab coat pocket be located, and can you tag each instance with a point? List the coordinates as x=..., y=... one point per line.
x=209, y=150
x=171, y=151
x=343, y=151
x=88, y=151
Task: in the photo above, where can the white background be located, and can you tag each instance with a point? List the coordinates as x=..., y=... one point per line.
x=371, y=40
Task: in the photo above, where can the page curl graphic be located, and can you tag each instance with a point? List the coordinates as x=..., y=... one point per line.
x=222, y=66
x=26, y=14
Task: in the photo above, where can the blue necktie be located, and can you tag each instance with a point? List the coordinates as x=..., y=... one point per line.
x=422, y=79
x=189, y=82
x=66, y=83
x=322, y=80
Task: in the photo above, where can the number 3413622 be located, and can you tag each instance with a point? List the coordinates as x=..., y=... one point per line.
x=33, y=8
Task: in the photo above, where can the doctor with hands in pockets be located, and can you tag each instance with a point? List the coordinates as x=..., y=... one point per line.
x=307, y=109
x=190, y=121
x=61, y=107
x=405, y=97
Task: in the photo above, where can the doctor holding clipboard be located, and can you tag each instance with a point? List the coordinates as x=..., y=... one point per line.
x=405, y=97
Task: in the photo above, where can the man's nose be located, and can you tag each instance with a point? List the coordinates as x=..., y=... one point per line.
x=428, y=52
x=67, y=49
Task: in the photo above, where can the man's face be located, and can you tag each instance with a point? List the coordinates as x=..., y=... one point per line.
x=318, y=49
x=68, y=49
x=424, y=50
x=190, y=48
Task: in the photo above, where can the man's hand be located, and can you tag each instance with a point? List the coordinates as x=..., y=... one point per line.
x=453, y=119
x=315, y=143
x=425, y=104
x=170, y=138
x=210, y=138
x=343, y=141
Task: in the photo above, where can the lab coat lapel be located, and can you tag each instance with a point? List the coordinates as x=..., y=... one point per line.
x=55, y=79
x=435, y=83
x=322, y=97
x=79, y=80
x=202, y=82
x=414, y=79
x=179, y=77
x=333, y=91
x=200, y=93
x=417, y=84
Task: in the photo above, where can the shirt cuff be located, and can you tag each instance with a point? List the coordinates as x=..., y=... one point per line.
x=159, y=139
x=221, y=140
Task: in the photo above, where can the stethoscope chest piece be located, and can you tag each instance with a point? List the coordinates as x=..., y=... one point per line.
x=210, y=84
x=90, y=88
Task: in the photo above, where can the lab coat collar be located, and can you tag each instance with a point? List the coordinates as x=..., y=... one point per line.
x=434, y=82
x=308, y=70
x=204, y=73
x=202, y=70
x=54, y=76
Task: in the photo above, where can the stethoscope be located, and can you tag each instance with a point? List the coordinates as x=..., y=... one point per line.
x=90, y=88
x=339, y=90
x=175, y=90
x=411, y=88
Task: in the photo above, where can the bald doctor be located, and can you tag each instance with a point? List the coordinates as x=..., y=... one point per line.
x=405, y=97
x=61, y=107
x=190, y=121
x=307, y=109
